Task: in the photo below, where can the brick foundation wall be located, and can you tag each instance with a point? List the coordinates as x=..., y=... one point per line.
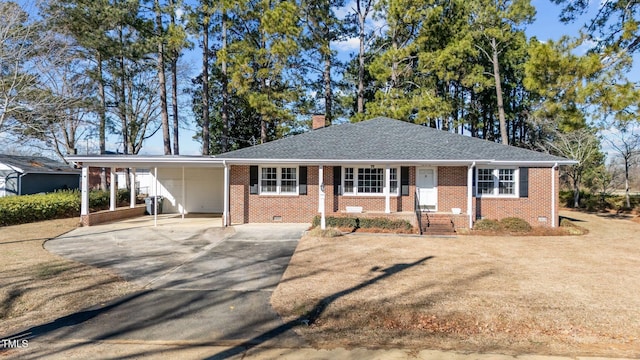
x=104, y=216
x=537, y=205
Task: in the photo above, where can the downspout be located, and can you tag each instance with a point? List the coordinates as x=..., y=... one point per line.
x=470, y=193
x=553, y=195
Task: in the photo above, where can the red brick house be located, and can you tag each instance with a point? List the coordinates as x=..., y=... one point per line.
x=379, y=167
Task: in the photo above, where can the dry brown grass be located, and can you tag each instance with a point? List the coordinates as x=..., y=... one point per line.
x=565, y=295
x=37, y=287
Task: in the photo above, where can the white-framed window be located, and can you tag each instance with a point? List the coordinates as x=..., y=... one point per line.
x=368, y=180
x=348, y=181
x=497, y=182
x=278, y=180
x=393, y=180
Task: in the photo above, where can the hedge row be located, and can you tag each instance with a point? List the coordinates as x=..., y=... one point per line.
x=510, y=224
x=29, y=208
x=61, y=204
x=364, y=223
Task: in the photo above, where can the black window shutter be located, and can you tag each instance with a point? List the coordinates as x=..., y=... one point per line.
x=524, y=182
x=404, y=180
x=337, y=180
x=253, y=179
x=303, y=181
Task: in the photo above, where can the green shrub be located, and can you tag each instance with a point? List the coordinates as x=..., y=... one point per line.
x=99, y=200
x=30, y=208
x=515, y=224
x=487, y=225
x=364, y=223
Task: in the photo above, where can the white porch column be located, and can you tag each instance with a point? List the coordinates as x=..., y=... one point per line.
x=182, y=209
x=155, y=194
x=112, y=189
x=321, y=196
x=470, y=193
x=387, y=186
x=225, y=211
x=84, y=186
x=132, y=193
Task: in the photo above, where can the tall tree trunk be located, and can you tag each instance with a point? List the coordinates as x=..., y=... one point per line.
x=627, y=197
x=174, y=88
x=122, y=102
x=164, y=114
x=103, y=122
x=174, y=102
x=225, y=86
x=496, y=75
x=328, y=95
x=362, y=17
x=205, y=88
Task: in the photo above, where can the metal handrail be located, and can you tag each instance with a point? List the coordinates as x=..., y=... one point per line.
x=419, y=212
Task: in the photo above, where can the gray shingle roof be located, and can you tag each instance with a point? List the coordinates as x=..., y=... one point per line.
x=386, y=139
x=36, y=164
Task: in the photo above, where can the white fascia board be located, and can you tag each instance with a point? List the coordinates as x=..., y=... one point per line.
x=534, y=163
x=237, y=161
x=145, y=161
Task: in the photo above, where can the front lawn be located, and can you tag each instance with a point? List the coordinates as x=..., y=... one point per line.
x=564, y=295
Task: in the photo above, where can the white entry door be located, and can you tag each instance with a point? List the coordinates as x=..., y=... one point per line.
x=427, y=185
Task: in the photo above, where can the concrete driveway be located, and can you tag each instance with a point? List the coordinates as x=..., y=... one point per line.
x=203, y=284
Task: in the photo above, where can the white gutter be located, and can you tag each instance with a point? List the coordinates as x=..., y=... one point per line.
x=553, y=195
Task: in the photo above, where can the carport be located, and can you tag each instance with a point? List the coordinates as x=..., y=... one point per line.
x=188, y=184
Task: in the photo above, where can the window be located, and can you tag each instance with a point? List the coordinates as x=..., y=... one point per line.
x=393, y=180
x=269, y=183
x=506, y=181
x=275, y=180
x=497, y=182
x=288, y=181
x=485, y=181
x=348, y=180
x=369, y=180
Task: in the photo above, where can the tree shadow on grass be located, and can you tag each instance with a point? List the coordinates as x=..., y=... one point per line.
x=314, y=314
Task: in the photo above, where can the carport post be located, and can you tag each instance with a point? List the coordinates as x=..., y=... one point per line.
x=155, y=194
x=132, y=193
x=84, y=199
x=183, y=192
x=225, y=210
x=112, y=190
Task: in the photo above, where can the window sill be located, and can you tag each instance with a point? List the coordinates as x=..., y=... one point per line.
x=369, y=195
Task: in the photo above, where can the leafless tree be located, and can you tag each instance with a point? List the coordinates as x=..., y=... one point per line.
x=582, y=146
x=626, y=143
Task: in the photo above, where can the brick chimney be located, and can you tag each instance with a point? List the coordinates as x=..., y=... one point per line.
x=318, y=121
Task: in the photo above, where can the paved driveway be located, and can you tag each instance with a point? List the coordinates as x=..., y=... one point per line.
x=203, y=283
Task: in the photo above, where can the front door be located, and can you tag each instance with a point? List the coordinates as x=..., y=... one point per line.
x=427, y=188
